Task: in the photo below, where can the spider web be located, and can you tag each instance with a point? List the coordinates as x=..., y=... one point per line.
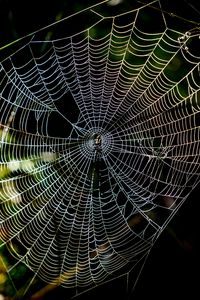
x=99, y=143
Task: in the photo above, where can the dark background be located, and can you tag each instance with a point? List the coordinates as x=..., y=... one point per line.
x=171, y=270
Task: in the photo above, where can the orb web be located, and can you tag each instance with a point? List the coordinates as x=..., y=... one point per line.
x=99, y=143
